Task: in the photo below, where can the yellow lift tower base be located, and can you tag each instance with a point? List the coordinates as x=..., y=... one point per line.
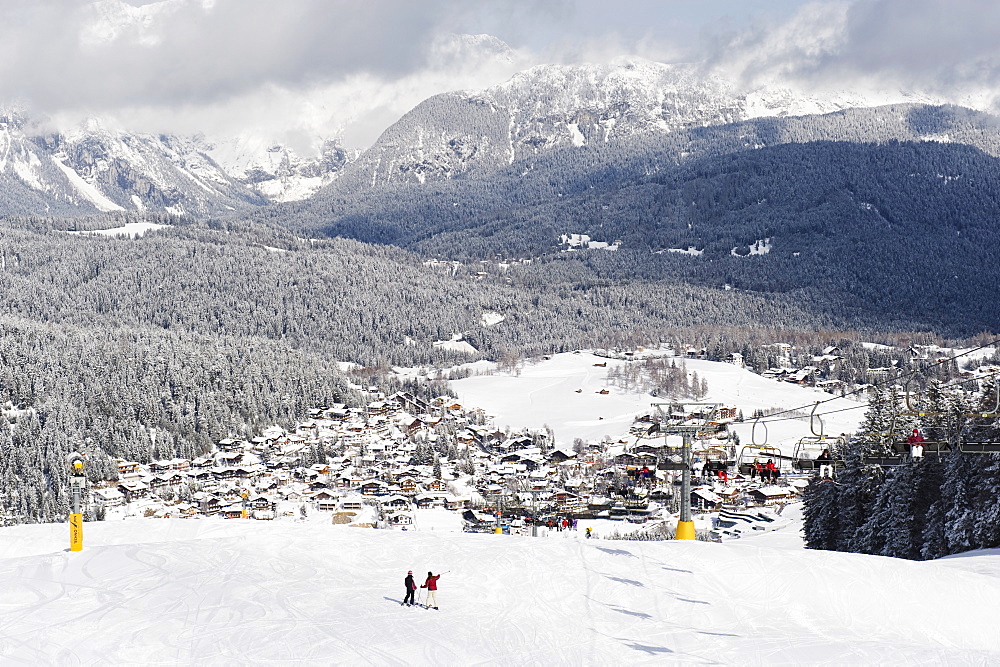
x=685, y=530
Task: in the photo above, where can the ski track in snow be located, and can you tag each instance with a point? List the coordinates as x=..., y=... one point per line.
x=216, y=592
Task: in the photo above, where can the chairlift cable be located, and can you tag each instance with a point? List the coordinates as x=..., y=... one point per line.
x=876, y=384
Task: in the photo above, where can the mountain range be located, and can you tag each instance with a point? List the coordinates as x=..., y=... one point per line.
x=668, y=174
x=94, y=168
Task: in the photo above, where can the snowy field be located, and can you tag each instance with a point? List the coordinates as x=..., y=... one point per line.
x=248, y=592
x=545, y=394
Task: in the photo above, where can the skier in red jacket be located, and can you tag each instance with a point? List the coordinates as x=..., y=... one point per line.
x=432, y=587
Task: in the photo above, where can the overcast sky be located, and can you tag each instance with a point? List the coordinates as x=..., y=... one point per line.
x=302, y=70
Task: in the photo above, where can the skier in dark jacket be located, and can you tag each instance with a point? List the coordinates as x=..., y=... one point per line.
x=411, y=588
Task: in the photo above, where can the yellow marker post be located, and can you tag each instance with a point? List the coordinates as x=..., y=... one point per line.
x=76, y=532
x=77, y=481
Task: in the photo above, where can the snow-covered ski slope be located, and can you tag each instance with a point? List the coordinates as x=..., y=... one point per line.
x=211, y=592
x=544, y=393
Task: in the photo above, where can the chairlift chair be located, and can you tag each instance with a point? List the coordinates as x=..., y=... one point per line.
x=811, y=446
x=983, y=446
x=754, y=451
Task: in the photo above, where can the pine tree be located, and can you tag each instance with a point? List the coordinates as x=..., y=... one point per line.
x=821, y=516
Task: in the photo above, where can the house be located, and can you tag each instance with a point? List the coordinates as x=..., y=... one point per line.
x=429, y=500
x=455, y=503
x=705, y=498
x=325, y=501
x=563, y=498
x=260, y=502
x=408, y=485
x=353, y=502
x=769, y=495
x=394, y=502
x=133, y=489
x=210, y=504
x=374, y=487
x=400, y=519
x=229, y=445
x=127, y=467
x=109, y=497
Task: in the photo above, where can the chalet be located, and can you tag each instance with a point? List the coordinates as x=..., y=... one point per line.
x=349, y=481
x=394, y=502
x=769, y=495
x=646, y=459
x=599, y=503
x=201, y=476
x=726, y=413
x=133, y=489
x=563, y=498
x=558, y=456
x=325, y=501
x=802, y=375
x=127, y=467
x=517, y=443
x=436, y=485
x=455, y=503
x=109, y=497
x=400, y=519
x=410, y=403
x=229, y=458
x=186, y=510
x=234, y=511
x=352, y=502
x=260, y=502
x=704, y=498
x=338, y=414
x=408, y=424
x=160, y=466
x=429, y=500
x=408, y=485
x=210, y=504
x=170, y=478
x=493, y=490
x=229, y=445
x=625, y=459
x=202, y=462
x=374, y=487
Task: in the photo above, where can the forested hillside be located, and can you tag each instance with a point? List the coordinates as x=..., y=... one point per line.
x=880, y=233
x=160, y=345
x=921, y=509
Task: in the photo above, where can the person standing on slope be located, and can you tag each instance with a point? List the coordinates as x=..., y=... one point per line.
x=411, y=588
x=432, y=587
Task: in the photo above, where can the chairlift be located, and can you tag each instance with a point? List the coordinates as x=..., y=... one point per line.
x=809, y=447
x=981, y=446
x=895, y=450
x=715, y=459
x=754, y=451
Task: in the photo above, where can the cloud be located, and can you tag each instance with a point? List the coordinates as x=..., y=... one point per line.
x=308, y=70
x=938, y=47
x=111, y=53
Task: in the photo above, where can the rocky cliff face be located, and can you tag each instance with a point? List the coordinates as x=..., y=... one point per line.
x=92, y=168
x=549, y=107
